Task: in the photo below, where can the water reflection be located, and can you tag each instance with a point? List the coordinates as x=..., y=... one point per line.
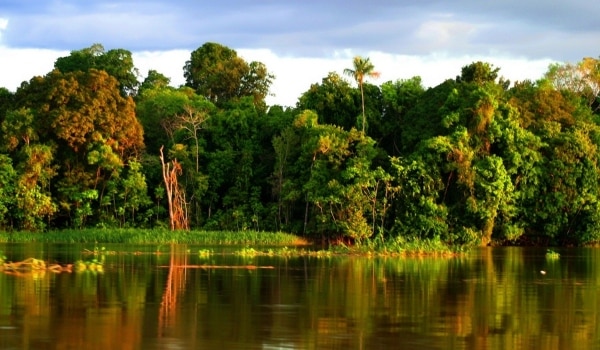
x=150, y=298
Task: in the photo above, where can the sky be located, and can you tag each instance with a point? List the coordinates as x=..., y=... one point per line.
x=301, y=41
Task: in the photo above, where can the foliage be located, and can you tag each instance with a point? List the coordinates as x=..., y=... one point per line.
x=116, y=62
x=362, y=68
x=471, y=161
x=218, y=73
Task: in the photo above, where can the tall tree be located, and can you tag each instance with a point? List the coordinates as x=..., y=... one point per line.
x=478, y=73
x=116, y=62
x=154, y=80
x=362, y=68
x=334, y=101
x=218, y=73
x=93, y=130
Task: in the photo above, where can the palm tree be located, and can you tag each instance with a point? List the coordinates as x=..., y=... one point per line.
x=362, y=68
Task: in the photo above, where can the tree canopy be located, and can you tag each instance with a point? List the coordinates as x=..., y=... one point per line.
x=219, y=74
x=473, y=160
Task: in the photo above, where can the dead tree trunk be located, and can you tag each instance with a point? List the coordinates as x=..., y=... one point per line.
x=175, y=196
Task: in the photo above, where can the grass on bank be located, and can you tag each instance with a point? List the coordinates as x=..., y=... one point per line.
x=154, y=236
x=253, y=240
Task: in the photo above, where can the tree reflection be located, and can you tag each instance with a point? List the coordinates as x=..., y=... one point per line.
x=175, y=285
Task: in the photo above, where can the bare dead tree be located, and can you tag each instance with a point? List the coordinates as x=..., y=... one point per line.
x=175, y=195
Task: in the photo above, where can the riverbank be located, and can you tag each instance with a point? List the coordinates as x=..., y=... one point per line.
x=254, y=239
x=154, y=236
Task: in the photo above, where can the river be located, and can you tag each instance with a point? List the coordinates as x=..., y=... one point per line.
x=176, y=297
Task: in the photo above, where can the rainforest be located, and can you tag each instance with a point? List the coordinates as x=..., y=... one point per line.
x=476, y=160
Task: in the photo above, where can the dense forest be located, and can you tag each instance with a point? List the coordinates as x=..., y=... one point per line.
x=475, y=160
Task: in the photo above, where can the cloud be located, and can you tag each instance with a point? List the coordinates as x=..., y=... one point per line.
x=3, y=26
x=169, y=63
x=312, y=28
x=19, y=65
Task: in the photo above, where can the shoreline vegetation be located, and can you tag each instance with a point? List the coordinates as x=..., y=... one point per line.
x=390, y=167
x=253, y=243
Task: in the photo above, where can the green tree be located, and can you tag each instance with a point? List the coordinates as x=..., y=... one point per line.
x=218, y=73
x=398, y=98
x=154, y=80
x=479, y=73
x=463, y=192
x=236, y=177
x=6, y=102
x=8, y=180
x=333, y=100
x=134, y=193
x=560, y=205
x=331, y=171
x=362, y=68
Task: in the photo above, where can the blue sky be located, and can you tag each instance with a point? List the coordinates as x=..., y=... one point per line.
x=301, y=41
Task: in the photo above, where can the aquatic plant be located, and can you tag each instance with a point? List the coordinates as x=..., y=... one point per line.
x=205, y=253
x=247, y=252
x=550, y=254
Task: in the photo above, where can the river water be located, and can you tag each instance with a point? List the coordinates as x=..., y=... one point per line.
x=162, y=297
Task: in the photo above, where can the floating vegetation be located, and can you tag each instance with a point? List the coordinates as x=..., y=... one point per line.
x=550, y=254
x=283, y=252
x=93, y=265
x=205, y=253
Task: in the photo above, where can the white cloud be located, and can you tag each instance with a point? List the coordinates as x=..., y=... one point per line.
x=169, y=63
x=20, y=65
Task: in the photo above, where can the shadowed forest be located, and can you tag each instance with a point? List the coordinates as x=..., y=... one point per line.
x=475, y=160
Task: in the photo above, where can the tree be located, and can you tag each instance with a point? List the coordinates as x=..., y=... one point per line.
x=398, y=98
x=478, y=73
x=175, y=195
x=191, y=121
x=8, y=179
x=116, y=62
x=333, y=100
x=216, y=72
x=326, y=177
x=6, y=102
x=33, y=199
x=92, y=129
x=362, y=68
x=154, y=80
x=582, y=79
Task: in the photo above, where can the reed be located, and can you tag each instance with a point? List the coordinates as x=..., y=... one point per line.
x=399, y=246
x=155, y=236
